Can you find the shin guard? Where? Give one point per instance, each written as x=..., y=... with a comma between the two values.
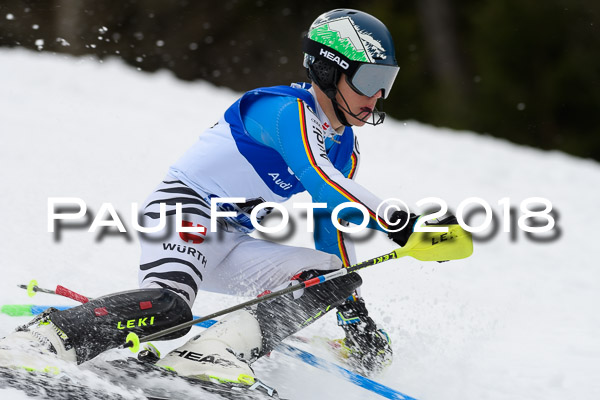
x=104, y=322
x=286, y=315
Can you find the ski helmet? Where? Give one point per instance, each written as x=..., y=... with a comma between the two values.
x=354, y=43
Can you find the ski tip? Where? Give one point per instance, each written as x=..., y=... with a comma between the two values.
x=17, y=310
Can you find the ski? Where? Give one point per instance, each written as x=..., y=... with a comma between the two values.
x=139, y=373
x=126, y=379
x=343, y=373
x=44, y=385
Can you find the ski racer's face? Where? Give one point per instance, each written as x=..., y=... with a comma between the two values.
x=361, y=106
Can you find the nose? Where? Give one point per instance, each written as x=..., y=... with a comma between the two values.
x=378, y=95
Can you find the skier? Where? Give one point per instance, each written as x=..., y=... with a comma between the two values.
x=270, y=144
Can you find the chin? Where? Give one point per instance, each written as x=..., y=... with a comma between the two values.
x=357, y=122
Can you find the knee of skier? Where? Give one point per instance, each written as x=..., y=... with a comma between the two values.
x=329, y=264
x=331, y=292
x=179, y=290
x=334, y=262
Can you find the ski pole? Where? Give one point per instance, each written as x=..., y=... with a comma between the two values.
x=425, y=246
x=32, y=288
x=133, y=340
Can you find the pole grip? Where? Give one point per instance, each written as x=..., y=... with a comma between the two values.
x=63, y=291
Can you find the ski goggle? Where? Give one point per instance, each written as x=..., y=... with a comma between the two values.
x=371, y=78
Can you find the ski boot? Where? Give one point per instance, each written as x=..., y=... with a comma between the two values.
x=365, y=347
x=222, y=353
x=37, y=346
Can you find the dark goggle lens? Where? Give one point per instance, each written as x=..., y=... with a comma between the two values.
x=371, y=78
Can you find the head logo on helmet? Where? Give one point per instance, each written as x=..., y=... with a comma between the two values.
x=331, y=56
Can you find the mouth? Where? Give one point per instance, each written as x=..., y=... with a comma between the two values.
x=367, y=110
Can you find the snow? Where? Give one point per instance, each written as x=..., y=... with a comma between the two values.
x=517, y=320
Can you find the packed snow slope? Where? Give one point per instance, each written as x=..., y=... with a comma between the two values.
x=517, y=320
